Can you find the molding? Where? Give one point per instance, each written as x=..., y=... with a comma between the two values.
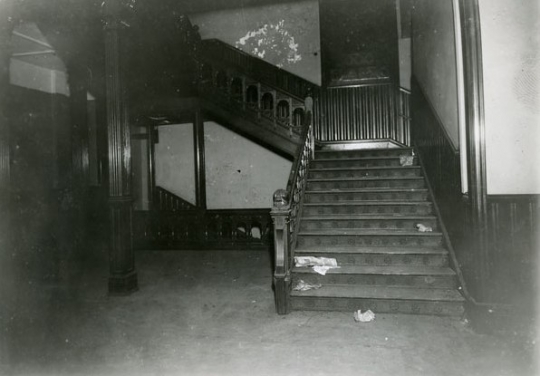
x=416, y=82
x=513, y=198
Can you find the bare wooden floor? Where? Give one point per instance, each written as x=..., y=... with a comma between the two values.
x=212, y=313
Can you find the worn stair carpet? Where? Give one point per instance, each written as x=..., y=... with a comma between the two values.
x=362, y=207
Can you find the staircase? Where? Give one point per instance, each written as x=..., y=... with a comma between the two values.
x=362, y=207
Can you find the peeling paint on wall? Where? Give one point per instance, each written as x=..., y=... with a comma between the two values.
x=272, y=42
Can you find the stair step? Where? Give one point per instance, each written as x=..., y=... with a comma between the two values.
x=362, y=153
x=390, y=222
x=411, y=194
x=371, y=275
x=358, y=162
x=368, y=207
x=365, y=182
x=369, y=238
x=357, y=172
x=378, y=256
x=380, y=299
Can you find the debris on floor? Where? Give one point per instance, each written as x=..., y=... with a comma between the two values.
x=301, y=261
x=423, y=228
x=367, y=316
x=406, y=160
x=304, y=286
x=320, y=264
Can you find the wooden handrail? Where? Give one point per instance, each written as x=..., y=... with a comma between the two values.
x=221, y=53
x=164, y=200
x=286, y=211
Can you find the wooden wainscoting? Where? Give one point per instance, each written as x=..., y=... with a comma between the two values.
x=513, y=245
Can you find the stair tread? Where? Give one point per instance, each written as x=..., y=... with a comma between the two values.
x=368, y=231
x=322, y=151
x=368, y=178
x=367, y=202
x=381, y=292
x=372, y=250
x=373, y=217
x=366, y=190
x=387, y=157
x=383, y=270
x=365, y=168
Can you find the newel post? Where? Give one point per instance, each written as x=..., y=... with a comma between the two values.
x=308, y=104
x=282, y=276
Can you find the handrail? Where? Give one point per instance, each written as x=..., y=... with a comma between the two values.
x=258, y=69
x=286, y=212
x=164, y=200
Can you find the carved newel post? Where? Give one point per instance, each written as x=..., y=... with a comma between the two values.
x=123, y=277
x=282, y=276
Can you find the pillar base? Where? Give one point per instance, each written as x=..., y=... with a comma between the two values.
x=123, y=284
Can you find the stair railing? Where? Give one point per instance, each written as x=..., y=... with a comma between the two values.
x=286, y=212
x=253, y=88
x=167, y=201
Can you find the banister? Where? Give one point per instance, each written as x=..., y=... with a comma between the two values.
x=286, y=209
x=268, y=74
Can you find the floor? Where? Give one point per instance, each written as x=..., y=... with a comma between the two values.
x=212, y=313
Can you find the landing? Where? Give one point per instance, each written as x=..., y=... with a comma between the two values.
x=212, y=313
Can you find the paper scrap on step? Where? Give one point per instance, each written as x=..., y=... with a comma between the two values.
x=423, y=228
x=320, y=264
x=367, y=316
x=304, y=286
x=406, y=160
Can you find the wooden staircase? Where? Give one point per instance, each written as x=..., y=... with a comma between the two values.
x=362, y=208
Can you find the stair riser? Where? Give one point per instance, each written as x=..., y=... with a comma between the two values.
x=344, y=163
x=390, y=224
x=367, y=209
x=362, y=153
x=369, y=240
x=312, y=197
x=365, y=183
x=395, y=280
x=378, y=306
x=362, y=259
x=400, y=172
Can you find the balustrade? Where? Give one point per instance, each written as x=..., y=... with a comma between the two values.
x=286, y=210
x=197, y=229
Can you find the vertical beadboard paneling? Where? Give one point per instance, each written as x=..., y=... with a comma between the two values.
x=513, y=242
x=512, y=223
x=359, y=113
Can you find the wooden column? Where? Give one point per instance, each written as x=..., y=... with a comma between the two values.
x=78, y=88
x=200, y=167
x=6, y=28
x=122, y=277
x=151, y=160
x=476, y=139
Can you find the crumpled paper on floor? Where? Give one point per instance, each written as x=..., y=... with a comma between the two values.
x=304, y=286
x=367, y=316
x=320, y=264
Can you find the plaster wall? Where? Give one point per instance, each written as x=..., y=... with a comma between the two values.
x=405, y=63
x=434, y=60
x=34, y=77
x=239, y=173
x=287, y=25
x=174, y=160
x=510, y=53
